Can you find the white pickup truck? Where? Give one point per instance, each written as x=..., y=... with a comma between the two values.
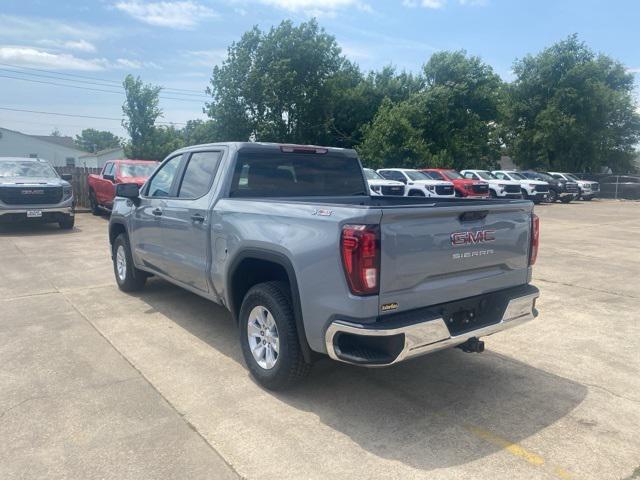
x=419, y=184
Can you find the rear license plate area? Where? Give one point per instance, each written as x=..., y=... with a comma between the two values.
x=471, y=314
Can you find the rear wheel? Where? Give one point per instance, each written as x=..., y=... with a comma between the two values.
x=269, y=338
x=128, y=277
x=93, y=201
x=67, y=222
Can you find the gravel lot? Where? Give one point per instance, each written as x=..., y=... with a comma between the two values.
x=95, y=383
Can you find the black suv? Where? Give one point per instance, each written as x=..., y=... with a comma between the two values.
x=558, y=189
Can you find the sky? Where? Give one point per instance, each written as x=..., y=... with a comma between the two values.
x=69, y=57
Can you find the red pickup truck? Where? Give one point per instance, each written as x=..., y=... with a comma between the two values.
x=465, y=187
x=102, y=187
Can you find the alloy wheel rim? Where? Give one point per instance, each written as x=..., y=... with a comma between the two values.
x=262, y=333
x=121, y=263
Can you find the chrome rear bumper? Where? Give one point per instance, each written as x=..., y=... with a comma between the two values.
x=431, y=335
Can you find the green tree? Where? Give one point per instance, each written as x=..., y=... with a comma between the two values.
x=356, y=99
x=394, y=137
x=141, y=109
x=571, y=109
x=92, y=140
x=196, y=132
x=451, y=121
x=274, y=86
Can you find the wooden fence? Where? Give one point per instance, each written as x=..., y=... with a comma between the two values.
x=79, y=176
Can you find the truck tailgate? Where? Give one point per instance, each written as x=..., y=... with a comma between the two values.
x=437, y=254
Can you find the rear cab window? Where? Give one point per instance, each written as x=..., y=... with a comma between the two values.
x=280, y=174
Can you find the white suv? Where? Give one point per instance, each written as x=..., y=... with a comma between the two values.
x=534, y=190
x=497, y=188
x=378, y=185
x=419, y=184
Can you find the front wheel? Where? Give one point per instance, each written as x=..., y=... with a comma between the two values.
x=128, y=277
x=93, y=202
x=566, y=199
x=67, y=222
x=587, y=199
x=552, y=197
x=269, y=338
x=493, y=193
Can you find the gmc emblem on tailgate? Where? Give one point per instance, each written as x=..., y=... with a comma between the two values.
x=472, y=238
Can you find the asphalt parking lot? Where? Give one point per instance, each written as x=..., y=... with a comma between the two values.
x=95, y=383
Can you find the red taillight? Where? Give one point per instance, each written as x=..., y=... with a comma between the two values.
x=535, y=238
x=360, y=246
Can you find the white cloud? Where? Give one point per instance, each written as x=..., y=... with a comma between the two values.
x=184, y=14
x=76, y=45
x=317, y=7
x=29, y=56
x=127, y=63
x=79, y=45
x=30, y=28
x=424, y=3
x=356, y=52
x=633, y=70
x=436, y=4
x=206, y=58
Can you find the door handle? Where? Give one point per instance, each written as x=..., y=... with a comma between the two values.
x=157, y=211
x=197, y=218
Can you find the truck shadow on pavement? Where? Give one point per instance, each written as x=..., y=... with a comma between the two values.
x=444, y=409
x=34, y=229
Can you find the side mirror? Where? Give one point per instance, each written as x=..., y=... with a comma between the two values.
x=109, y=177
x=66, y=176
x=128, y=190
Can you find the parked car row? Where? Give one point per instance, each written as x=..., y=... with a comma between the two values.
x=441, y=182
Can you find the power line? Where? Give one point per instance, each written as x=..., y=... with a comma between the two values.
x=90, y=89
x=78, y=116
x=93, y=78
x=85, y=82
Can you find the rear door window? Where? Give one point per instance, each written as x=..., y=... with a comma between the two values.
x=296, y=175
x=199, y=173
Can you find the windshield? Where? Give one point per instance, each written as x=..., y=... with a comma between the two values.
x=435, y=175
x=544, y=177
x=415, y=175
x=453, y=174
x=19, y=168
x=137, y=169
x=372, y=174
x=571, y=176
x=517, y=176
x=486, y=175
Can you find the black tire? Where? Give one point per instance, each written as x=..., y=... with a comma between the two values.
x=416, y=193
x=132, y=279
x=493, y=193
x=552, y=197
x=587, y=199
x=566, y=199
x=95, y=208
x=67, y=222
x=290, y=366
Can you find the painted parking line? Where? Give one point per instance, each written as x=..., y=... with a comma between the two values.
x=518, y=451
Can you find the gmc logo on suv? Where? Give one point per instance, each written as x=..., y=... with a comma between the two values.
x=472, y=238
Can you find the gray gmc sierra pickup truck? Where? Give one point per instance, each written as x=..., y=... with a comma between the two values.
x=31, y=190
x=288, y=239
